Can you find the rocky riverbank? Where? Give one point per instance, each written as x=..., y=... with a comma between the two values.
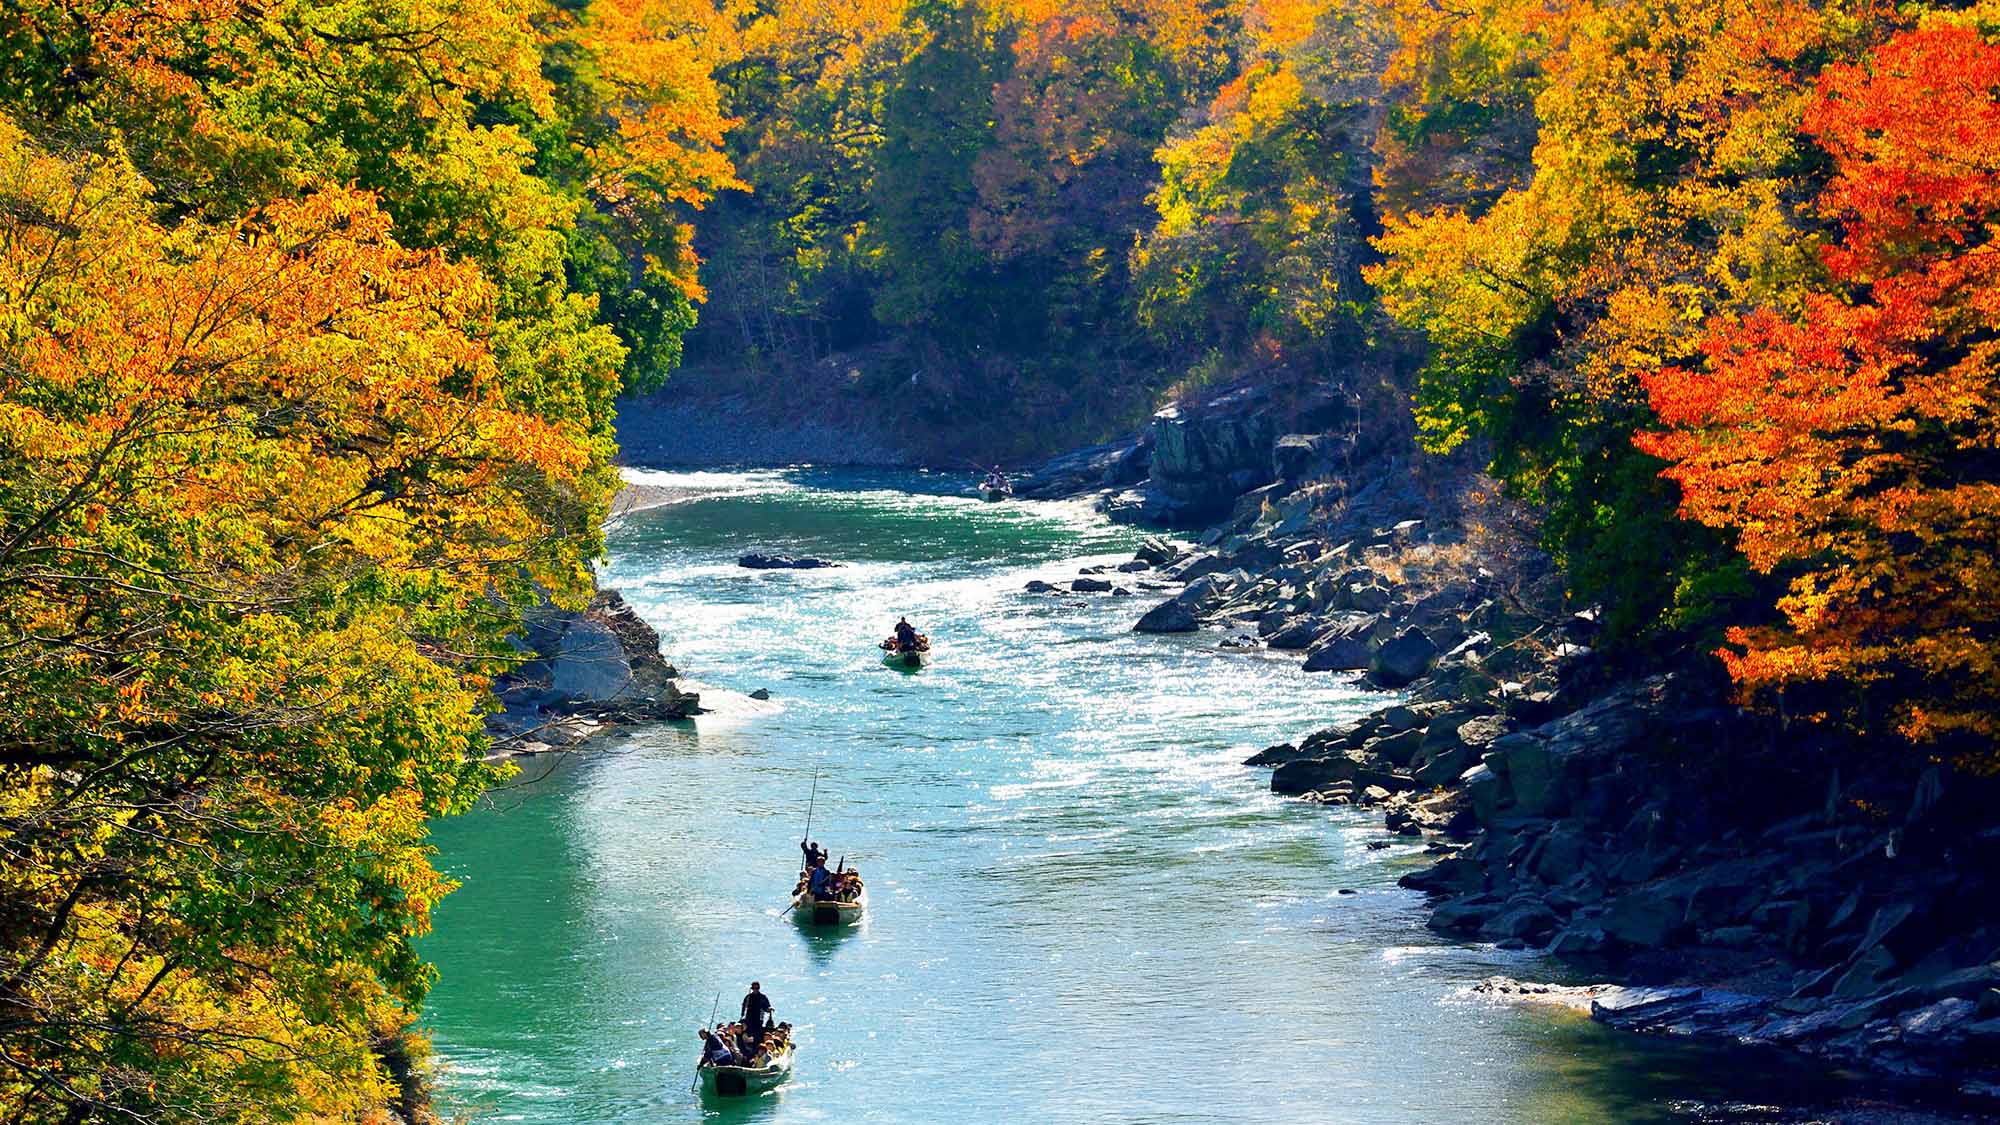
x=584, y=672
x=1724, y=877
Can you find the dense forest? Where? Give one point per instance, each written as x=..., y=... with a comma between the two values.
x=313, y=319
x=1711, y=284
x=315, y=316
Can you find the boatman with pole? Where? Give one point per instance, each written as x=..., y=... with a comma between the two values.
x=756, y=1012
x=714, y=1052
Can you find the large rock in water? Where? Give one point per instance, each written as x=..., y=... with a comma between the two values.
x=603, y=662
x=1168, y=617
x=1303, y=775
x=1100, y=466
x=1402, y=659
x=783, y=562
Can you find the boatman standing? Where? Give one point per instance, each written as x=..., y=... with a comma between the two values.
x=815, y=855
x=756, y=1012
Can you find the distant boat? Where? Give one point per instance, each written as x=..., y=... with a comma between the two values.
x=736, y=1081
x=996, y=492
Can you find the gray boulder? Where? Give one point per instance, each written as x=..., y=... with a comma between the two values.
x=1445, y=767
x=1273, y=755
x=1368, y=599
x=1643, y=920
x=1402, y=659
x=1339, y=654
x=1303, y=775
x=1297, y=633
x=1168, y=617
x=1396, y=749
x=755, y=561
x=1090, y=586
x=591, y=664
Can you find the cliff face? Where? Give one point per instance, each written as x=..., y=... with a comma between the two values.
x=1203, y=461
x=1194, y=462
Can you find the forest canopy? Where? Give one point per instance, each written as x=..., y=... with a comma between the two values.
x=1702, y=282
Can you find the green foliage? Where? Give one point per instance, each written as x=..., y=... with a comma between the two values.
x=937, y=120
x=306, y=384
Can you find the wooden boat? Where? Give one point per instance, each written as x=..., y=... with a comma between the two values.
x=737, y=1081
x=808, y=911
x=990, y=494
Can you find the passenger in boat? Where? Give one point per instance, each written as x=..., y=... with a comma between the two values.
x=715, y=1052
x=756, y=1012
x=820, y=881
x=907, y=639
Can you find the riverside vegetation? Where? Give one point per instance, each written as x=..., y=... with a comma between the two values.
x=312, y=316
x=315, y=316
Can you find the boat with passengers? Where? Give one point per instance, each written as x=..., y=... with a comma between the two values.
x=765, y=1070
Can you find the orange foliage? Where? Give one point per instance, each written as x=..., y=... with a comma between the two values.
x=1852, y=447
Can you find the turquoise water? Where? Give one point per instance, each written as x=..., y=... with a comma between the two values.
x=1082, y=907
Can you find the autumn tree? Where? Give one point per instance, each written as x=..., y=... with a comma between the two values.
x=789, y=273
x=1847, y=441
x=306, y=388
x=263, y=505
x=1668, y=182
x=1264, y=212
x=938, y=119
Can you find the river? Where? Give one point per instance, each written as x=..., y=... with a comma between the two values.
x=1082, y=907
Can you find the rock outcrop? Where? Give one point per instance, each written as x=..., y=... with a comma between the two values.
x=582, y=672
x=1204, y=458
x=755, y=561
